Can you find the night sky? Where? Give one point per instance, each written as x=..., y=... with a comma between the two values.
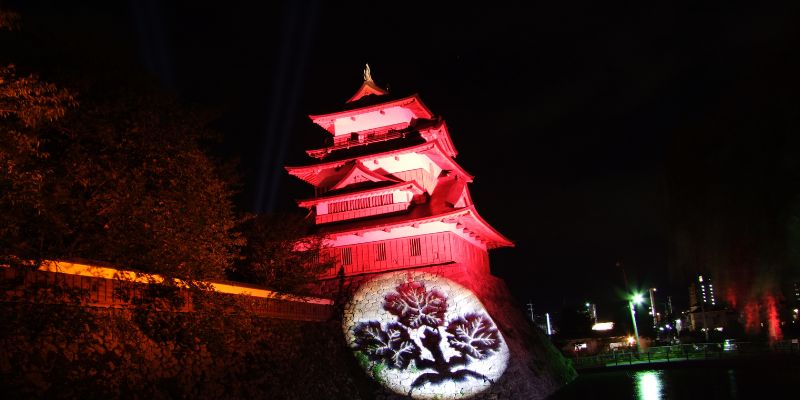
x=565, y=113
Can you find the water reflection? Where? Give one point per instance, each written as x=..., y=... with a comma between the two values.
x=757, y=380
x=732, y=383
x=648, y=385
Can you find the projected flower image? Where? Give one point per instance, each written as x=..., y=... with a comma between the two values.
x=430, y=337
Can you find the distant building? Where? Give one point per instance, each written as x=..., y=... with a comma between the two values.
x=704, y=313
x=796, y=298
x=668, y=306
x=591, y=312
x=653, y=312
x=545, y=323
x=597, y=345
x=701, y=292
x=711, y=318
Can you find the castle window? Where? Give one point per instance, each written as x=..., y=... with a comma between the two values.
x=357, y=204
x=347, y=256
x=416, y=247
x=380, y=252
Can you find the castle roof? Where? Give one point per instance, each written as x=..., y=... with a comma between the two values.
x=419, y=131
x=412, y=104
x=442, y=206
x=318, y=173
x=368, y=88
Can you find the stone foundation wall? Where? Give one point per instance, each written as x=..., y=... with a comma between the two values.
x=535, y=367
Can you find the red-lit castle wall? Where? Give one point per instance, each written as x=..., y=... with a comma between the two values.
x=409, y=252
x=443, y=253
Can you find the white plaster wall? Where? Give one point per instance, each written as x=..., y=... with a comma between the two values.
x=372, y=120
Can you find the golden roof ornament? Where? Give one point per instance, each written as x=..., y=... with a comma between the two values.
x=367, y=74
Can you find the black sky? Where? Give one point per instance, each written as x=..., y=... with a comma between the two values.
x=564, y=112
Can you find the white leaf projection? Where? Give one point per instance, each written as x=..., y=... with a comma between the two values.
x=425, y=336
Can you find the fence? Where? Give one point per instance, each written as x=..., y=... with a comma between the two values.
x=687, y=352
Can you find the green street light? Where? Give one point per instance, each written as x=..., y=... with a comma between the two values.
x=632, y=302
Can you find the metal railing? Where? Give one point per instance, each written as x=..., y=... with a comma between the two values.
x=347, y=141
x=687, y=352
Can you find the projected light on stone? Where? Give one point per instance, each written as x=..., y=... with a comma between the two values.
x=425, y=336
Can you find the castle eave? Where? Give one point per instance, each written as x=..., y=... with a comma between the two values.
x=412, y=103
x=316, y=173
x=465, y=221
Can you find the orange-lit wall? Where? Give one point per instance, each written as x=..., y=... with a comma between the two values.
x=98, y=287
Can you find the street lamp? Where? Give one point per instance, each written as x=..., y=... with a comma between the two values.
x=632, y=302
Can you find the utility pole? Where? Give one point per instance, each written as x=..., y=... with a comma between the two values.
x=549, y=328
x=653, y=306
x=669, y=306
x=530, y=309
x=632, y=302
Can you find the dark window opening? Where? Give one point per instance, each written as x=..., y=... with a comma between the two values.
x=416, y=247
x=347, y=256
x=380, y=252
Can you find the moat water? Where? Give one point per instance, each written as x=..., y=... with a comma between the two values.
x=762, y=381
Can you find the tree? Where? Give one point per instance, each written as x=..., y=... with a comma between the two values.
x=27, y=100
x=124, y=178
x=150, y=197
x=281, y=253
x=27, y=105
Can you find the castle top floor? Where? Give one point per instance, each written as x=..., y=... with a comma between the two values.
x=389, y=163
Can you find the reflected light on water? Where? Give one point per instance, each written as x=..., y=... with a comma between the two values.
x=648, y=385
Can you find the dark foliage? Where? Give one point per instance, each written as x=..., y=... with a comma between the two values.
x=281, y=252
x=118, y=173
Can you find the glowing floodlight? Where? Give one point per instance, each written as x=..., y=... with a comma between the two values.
x=424, y=336
x=635, y=299
x=603, y=326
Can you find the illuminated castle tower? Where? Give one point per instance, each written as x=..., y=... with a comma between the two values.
x=388, y=192
x=423, y=313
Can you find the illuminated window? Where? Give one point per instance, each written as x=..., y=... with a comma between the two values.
x=347, y=256
x=380, y=252
x=357, y=204
x=416, y=247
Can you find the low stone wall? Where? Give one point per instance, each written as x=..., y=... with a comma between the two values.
x=99, y=291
